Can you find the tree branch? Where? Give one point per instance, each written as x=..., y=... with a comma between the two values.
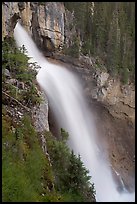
x=26, y=108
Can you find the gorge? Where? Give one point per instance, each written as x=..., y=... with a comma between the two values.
x=81, y=83
x=64, y=94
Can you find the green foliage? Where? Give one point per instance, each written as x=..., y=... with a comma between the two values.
x=27, y=175
x=26, y=171
x=16, y=61
x=79, y=9
x=64, y=135
x=25, y=166
x=12, y=58
x=125, y=75
x=71, y=177
x=21, y=70
x=42, y=3
x=109, y=33
x=73, y=50
x=16, y=186
x=87, y=47
x=79, y=180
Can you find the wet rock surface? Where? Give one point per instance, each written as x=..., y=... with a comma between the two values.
x=114, y=120
x=43, y=21
x=118, y=136
x=99, y=85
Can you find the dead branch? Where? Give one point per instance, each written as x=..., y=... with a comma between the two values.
x=26, y=108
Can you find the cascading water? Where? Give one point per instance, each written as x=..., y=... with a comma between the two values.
x=67, y=101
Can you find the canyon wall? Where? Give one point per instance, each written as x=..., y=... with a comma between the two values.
x=114, y=103
x=44, y=21
x=113, y=107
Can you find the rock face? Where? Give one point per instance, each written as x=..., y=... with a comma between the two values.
x=100, y=87
x=40, y=115
x=48, y=25
x=114, y=104
x=43, y=20
x=119, y=99
x=11, y=12
x=113, y=107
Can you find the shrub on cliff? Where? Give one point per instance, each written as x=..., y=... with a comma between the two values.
x=71, y=176
x=27, y=174
x=16, y=62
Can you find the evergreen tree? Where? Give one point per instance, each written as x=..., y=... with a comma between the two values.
x=71, y=177
x=107, y=30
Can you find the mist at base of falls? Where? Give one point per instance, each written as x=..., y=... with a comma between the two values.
x=67, y=101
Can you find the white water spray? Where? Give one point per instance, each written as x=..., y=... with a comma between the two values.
x=67, y=101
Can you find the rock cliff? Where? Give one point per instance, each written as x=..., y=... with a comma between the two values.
x=100, y=87
x=115, y=103
x=113, y=107
x=43, y=20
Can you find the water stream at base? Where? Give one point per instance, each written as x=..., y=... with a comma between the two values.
x=66, y=97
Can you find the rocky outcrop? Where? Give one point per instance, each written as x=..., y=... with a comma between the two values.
x=43, y=20
x=99, y=86
x=48, y=25
x=40, y=114
x=114, y=103
x=118, y=98
x=113, y=107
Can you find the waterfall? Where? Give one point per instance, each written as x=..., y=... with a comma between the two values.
x=65, y=93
